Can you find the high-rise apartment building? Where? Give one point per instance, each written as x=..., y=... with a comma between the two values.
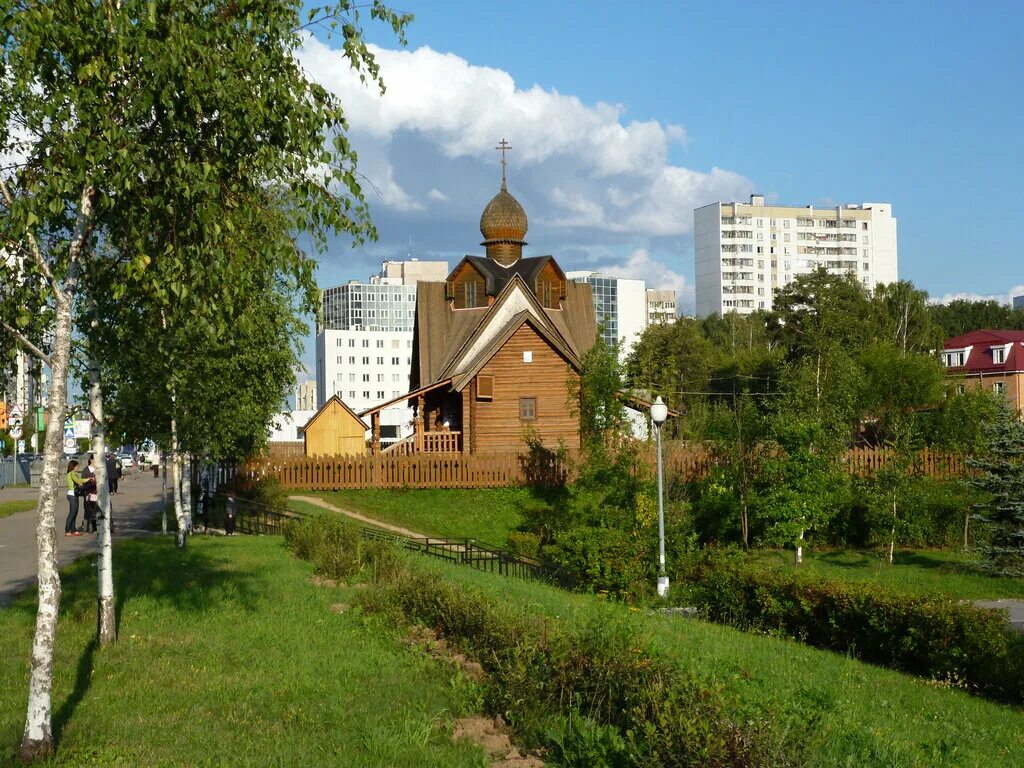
x=620, y=305
x=1018, y=302
x=364, y=341
x=746, y=251
x=661, y=306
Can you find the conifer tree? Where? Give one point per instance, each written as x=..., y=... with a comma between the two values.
x=1001, y=477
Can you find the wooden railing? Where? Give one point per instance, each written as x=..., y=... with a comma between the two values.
x=440, y=442
x=460, y=470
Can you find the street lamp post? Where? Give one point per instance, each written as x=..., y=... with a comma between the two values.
x=659, y=412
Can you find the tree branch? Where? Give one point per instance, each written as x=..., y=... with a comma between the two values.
x=26, y=343
x=37, y=254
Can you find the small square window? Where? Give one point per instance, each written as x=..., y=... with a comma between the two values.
x=998, y=387
x=484, y=387
x=528, y=408
x=527, y=357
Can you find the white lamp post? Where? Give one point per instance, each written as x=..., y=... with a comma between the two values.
x=659, y=412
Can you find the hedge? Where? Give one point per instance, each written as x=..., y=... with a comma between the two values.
x=596, y=694
x=930, y=636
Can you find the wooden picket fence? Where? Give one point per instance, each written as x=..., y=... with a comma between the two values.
x=505, y=469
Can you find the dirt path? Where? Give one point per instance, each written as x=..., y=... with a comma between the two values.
x=356, y=516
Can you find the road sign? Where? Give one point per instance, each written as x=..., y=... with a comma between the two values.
x=3, y=415
x=70, y=445
x=16, y=431
x=15, y=418
x=21, y=446
x=69, y=432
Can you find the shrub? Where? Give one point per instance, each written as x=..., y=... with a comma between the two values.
x=923, y=635
x=332, y=544
x=597, y=693
x=603, y=559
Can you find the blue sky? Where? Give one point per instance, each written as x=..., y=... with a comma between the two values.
x=620, y=114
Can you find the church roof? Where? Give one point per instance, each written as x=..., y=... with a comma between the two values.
x=496, y=275
x=442, y=337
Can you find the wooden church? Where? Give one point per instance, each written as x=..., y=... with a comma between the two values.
x=496, y=347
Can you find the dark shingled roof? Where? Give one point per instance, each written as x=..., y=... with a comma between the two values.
x=441, y=332
x=496, y=276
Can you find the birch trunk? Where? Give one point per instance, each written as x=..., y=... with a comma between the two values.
x=799, y=554
x=175, y=457
x=163, y=492
x=37, y=739
x=892, y=534
x=105, y=619
x=186, y=490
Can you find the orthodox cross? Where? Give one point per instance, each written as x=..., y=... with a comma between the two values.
x=503, y=147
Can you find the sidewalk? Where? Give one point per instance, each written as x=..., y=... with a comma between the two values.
x=137, y=502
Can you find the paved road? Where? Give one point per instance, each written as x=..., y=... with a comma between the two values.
x=137, y=501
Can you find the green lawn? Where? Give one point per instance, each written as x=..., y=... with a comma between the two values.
x=916, y=571
x=228, y=655
x=13, y=507
x=486, y=514
x=862, y=715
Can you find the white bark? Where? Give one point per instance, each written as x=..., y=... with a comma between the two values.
x=799, y=556
x=105, y=620
x=163, y=492
x=175, y=457
x=186, y=487
x=892, y=534
x=37, y=739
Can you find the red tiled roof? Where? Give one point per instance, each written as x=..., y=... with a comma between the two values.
x=981, y=344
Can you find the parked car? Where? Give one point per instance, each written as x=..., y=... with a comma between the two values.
x=127, y=460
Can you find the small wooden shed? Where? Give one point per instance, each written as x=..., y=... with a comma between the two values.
x=335, y=430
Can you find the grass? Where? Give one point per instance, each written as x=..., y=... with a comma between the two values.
x=13, y=507
x=914, y=571
x=486, y=514
x=863, y=715
x=227, y=655
x=490, y=514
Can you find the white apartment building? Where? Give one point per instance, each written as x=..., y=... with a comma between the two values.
x=620, y=304
x=661, y=306
x=744, y=252
x=1018, y=302
x=364, y=341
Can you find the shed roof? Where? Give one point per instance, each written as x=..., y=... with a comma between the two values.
x=325, y=406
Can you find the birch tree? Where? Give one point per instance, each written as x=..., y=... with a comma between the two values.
x=157, y=129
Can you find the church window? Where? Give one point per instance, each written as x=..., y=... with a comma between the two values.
x=484, y=387
x=528, y=408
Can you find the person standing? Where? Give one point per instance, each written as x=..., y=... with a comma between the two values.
x=75, y=484
x=112, y=473
x=91, y=496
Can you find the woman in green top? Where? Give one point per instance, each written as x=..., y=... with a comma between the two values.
x=74, y=479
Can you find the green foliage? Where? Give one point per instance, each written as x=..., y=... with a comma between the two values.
x=334, y=545
x=543, y=676
x=936, y=638
x=267, y=491
x=805, y=481
x=603, y=559
x=963, y=315
x=595, y=397
x=1001, y=479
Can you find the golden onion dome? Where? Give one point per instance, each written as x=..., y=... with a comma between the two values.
x=503, y=219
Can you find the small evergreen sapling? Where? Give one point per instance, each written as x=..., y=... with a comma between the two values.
x=1001, y=477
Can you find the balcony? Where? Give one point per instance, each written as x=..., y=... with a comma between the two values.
x=440, y=442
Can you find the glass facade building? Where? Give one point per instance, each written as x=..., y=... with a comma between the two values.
x=368, y=307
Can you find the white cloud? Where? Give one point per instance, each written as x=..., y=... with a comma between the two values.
x=575, y=166
x=1002, y=298
x=640, y=265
